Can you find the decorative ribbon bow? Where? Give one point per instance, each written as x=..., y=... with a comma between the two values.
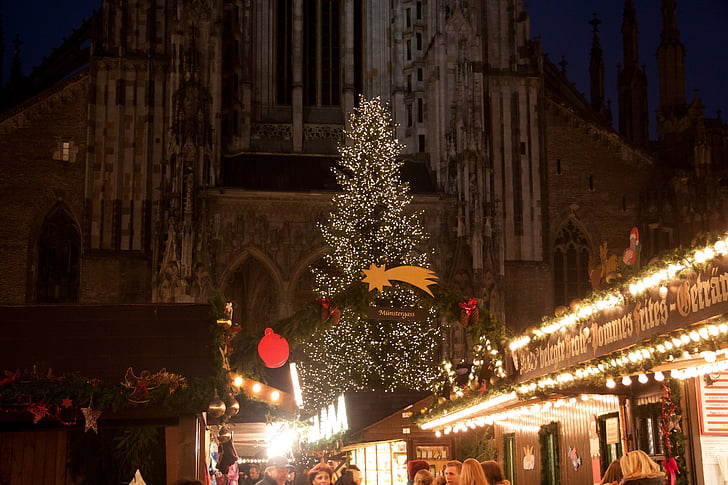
x=468, y=312
x=672, y=469
x=329, y=311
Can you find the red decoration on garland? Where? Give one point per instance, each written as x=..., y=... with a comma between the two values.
x=39, y=411
x=273, y=349
x=146, y=381
x=469, y=313
x=483, y=388
x=669, y=422
x=672, y=470
x=329, y=311
x=10, y=376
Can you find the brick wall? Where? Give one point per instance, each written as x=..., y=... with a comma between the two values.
x=593, y=177
x=32, y=182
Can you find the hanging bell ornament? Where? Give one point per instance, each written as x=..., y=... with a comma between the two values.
x=233, y=409
x=225, y=434
x=216, y=408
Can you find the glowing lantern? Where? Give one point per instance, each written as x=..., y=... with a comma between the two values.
x=273, y=349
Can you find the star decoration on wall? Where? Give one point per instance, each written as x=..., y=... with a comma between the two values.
x=91, y=415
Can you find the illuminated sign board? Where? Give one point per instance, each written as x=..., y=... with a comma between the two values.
x=688, y=300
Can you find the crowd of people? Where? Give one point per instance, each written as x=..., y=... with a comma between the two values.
x=634, y=468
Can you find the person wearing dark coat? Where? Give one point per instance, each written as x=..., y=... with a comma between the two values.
x=639, y=469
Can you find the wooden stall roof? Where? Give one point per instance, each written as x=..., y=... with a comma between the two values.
x=390, y=427
x=366, y=408
x=102, y=341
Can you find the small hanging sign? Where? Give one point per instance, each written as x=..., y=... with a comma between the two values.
x=396, y=314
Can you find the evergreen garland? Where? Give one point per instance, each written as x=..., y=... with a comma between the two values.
x=50, y=397
x=675, y=439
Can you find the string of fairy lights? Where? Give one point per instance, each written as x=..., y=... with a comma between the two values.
x=658, y=278
x=584, y=404
x=689, y=352
x=368, y=224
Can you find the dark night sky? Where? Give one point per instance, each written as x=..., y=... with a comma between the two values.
x=562, y=24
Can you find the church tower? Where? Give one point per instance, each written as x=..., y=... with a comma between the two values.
x=676, y=121
x=671, y=63
x=632, y=83
x=596, y=74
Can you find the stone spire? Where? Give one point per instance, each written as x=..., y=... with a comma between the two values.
x=632, y=83
x=596, y=72
x=671, y=63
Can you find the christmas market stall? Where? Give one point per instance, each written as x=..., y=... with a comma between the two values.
x=101, y=393
x=373, y=430
x=641, y=365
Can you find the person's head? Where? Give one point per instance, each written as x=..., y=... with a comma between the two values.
x=452, y=472
x=356, y=474
x=254, y=472
x=493, y=472
x=472, y=473
x=278, y=469
x=637, y=464
x=440, y=480
x=613, y=473
x=424, y=477
x=413, y=466
x=320, y=475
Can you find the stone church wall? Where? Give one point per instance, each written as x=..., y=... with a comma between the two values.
x=34, y=179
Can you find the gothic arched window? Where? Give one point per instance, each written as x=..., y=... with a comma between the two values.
x=571, y=264
x=252, y=287
x=59, y=254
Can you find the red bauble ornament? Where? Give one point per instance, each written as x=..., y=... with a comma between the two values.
x=273, y=349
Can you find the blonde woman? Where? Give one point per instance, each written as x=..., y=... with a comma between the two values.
x=472, y=473
x=639, y=469
x=423, y=477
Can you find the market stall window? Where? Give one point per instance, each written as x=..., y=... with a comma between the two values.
x=382, y=463
x=438, y=452
x=649, y=436
x=610, y=444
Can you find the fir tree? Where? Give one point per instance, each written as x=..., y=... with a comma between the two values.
x=370, y=223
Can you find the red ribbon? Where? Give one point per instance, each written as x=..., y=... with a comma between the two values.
x=468, y=306
x=671, y=468
x=330, y=310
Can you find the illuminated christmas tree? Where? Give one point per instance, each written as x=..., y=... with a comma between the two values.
x=370, y=224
